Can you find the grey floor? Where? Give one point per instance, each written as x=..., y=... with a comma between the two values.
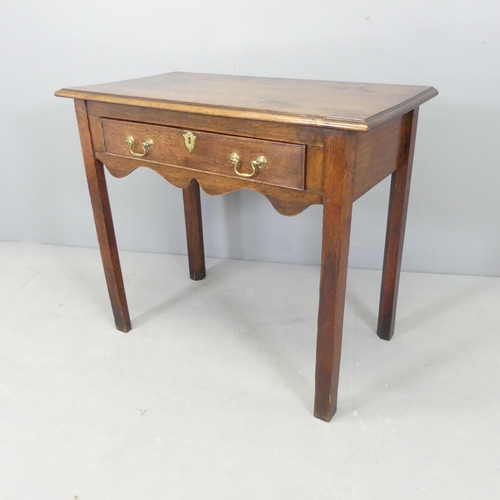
x=210, y=395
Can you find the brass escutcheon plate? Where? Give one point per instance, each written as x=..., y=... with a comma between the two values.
x=189, y=141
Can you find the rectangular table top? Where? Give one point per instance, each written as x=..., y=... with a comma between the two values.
x=340, y=105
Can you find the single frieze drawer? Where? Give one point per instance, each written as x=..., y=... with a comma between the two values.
x=269, y=162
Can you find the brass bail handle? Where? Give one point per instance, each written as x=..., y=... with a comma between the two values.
x=147, y=146
x=256, y=164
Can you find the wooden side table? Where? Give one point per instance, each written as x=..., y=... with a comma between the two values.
x=297, y=142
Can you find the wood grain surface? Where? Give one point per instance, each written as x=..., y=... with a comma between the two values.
x=396, y=224
x=286, y=201
x=103, y=222
x=337, y=211
x=194, y=230
x=285, y=162
x=325, y=143
x=342, y=105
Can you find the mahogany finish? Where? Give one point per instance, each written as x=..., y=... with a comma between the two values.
x=325, y=143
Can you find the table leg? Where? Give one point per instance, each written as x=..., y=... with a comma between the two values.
x=396, y=221
x=103, y=222
x=337, y=209
x=194, y=230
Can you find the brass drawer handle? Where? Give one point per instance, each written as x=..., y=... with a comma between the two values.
x=259, y=163
x=147, y=146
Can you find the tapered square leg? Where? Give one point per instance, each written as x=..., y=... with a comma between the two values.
x=337, y=209
x=103, y=222
x=396, y=222
x=194, y=230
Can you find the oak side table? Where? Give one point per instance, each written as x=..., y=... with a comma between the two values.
x=298, y=142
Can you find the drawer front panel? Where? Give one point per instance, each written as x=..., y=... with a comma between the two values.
x=211, y=153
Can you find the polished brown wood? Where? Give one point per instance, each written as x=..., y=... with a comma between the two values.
x=257, y=129
x=103, y=222
x=285, y=201
x=339, y=105
x=396, y=223
x=377, y=155
x=337, y=210
x=194, y=230
x=326, y=143
x=315, y=169
x=285, y=162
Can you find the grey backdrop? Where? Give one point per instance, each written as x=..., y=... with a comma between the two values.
x=453, y=221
